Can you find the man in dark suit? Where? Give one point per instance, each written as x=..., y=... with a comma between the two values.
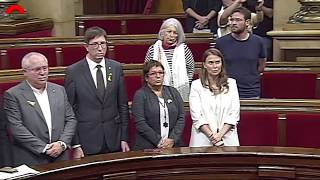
x=96, y=90
x=5, y=151
x=40, y=117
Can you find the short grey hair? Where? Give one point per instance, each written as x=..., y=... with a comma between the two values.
x=172, y=22
x=25, y=63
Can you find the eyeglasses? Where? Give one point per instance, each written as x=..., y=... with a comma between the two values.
x=236, y=19
x=96, y=45
x=38, y=69
x=153, y=74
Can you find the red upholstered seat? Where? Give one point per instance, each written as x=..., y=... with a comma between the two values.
x=187, y=128
x=15, y=56
x=56, y=80
x=258, y=128
x=302, y=130
x=73, y=54
x=7, y=85
x=110, y=26
x=198, y=49
x=288, y=85
x=133, y=83
x=130, y=53
x=132, y=131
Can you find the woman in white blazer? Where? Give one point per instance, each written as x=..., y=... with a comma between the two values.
x=214, y=104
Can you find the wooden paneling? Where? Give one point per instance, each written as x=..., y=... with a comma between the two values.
x=293, y=45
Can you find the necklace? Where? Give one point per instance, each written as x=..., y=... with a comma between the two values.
x=165, y=124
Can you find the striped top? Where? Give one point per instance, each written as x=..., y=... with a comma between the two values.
x=169, y=55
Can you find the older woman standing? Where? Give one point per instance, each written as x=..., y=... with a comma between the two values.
x=214, y=104
x=175, y=56
x=158, y=111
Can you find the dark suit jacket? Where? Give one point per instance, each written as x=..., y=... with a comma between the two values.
x=28, y=126
x=146, y=111
x=5, y=146
x=101, y=122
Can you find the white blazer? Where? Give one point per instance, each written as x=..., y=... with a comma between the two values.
x=214, y=110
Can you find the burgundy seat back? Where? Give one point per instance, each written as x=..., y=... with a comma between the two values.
x=288, y=85
x=198, y=49
x=73, y=54
x=187, y=128
x=132, y=131
x=302, y=130
x=133, y=83
x=130, y=53
x=7, y=85
x=57, y=80
x=143, y=26
x=258, y=128
x=110, y=26
x=15, y=56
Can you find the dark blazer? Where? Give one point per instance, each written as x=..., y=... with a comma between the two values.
x=146, y=112
x=101, y=122
x=5, y=146
x=29, y=128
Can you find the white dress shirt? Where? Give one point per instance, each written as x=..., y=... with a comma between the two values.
x=93, y=70
x=43, y=100
x=44, y=104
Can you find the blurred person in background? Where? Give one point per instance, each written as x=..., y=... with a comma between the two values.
x=174, y=55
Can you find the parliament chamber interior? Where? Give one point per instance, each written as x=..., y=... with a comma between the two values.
x=278, y=132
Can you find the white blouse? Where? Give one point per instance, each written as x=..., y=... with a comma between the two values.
x=164, y=119
x=214, y=110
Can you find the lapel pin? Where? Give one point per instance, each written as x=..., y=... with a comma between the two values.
x=109, y=77
x=32, y=103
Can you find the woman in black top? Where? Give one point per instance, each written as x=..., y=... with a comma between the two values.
x=201, y=14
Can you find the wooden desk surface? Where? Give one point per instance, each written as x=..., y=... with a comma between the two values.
x=25, y=26
x=195, y=163
x=127, y=16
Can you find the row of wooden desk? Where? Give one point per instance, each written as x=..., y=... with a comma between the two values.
x=280, y=80
x=68, y=50
x=263, y=122
x=227, y=163
x=125, y=23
